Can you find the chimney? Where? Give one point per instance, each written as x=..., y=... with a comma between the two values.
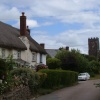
x=42, y=45
x=67, y=48
x=22, y=25
x=28, y=30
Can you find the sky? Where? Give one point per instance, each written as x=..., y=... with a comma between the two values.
x=56, y=23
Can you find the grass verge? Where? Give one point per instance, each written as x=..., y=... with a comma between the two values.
x=95, y=77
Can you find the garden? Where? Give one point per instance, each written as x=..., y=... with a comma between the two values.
x=61, y=71
x=40, y=81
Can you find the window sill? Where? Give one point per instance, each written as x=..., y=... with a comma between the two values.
x=33, y=61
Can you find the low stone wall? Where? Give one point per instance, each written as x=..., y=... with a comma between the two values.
x=22, y=93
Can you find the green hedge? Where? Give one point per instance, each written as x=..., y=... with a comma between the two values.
x=56, y=78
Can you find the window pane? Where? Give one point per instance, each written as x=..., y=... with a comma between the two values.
x=19, y=54
x=3, y=53
x=33, y=56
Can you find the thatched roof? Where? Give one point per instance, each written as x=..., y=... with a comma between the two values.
x=9, y=38
x=34, y=46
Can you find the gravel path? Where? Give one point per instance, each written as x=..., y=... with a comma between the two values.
x=85, y=90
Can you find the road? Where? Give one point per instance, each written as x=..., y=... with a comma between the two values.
x=85, y=90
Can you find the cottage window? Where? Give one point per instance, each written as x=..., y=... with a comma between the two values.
x=3, y=53
x=19, y=54
x=40, y=58
x=33, y=56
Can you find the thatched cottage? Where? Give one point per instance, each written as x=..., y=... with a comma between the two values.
x=18, y=43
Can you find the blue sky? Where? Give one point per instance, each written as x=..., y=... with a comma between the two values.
x=57, y=23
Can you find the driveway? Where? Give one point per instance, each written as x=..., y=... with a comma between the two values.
x=85, y=90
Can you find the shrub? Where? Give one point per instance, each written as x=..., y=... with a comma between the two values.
x=26, y=76
x=56, y=78
x=6, y=85
x=41, y=66
x=53, y=63
x=42, y=77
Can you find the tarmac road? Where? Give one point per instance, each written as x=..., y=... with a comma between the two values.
x=85, y=90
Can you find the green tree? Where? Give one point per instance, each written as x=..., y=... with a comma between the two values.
x=94, y=67
x=48, y=56
x=53, y=63
x=72, y=60
x=90, y=57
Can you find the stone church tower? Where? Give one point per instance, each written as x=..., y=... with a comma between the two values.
x=93, y=46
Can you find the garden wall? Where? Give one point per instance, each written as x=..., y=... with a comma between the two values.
x=22, y=93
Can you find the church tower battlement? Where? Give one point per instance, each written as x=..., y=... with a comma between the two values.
x=93, y=46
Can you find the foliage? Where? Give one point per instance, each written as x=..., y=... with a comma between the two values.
x=26, y=76
x=10, y=62
x=90, y=57
x=42, y=77
x=5, y=66
x=94, y=67
x=53, y=63
x=72, y=60
x=48, y=56
x=6, y=85
x=3, y=69
x=41, y=66
x=56, y=78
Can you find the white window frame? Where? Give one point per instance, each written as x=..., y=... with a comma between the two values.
x=33, y=56
x=19, y=54
x=3, y=53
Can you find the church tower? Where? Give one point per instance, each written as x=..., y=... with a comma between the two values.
x=93, y=46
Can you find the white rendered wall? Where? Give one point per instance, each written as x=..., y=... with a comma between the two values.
x=27, y=54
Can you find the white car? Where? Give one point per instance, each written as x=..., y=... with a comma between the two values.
x=84, y=76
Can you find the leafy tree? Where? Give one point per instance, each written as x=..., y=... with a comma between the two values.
x=53, y=63
x=94, y=67
x=72, y=60
x=48, y=56
x=90, y=57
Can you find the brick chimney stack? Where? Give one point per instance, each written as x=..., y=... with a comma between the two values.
x=23, y=25
x=67, y=48
x=42, y=45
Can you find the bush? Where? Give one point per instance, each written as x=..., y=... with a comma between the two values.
x=41, y=66
x=3, y=69
x=42, y=77
x=56, y=78
x=26, y=76
x=53, y=63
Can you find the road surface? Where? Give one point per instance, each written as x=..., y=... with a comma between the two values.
x=85, y=90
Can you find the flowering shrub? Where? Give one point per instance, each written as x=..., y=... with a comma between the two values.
x=6, y=84
x=2, y=88
x=41, y=66
x=25, y=77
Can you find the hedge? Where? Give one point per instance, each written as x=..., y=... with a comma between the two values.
x=56, y=78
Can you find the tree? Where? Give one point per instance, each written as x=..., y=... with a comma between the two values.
x=53, y=63
x=72, y=60
x=94, y=67
x=89, y=57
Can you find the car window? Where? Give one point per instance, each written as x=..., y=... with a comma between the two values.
x=81, y=74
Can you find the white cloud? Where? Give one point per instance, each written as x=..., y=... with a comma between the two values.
x=74, y=39
x=47, y=23
x=86, y=12
x=32, y=23
x=9, y=14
